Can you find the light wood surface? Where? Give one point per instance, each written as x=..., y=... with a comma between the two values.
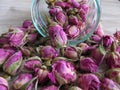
x=14, y=12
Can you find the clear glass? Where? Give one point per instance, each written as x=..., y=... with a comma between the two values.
x=39, y=10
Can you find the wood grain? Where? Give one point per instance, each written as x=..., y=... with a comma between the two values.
x=13, y=12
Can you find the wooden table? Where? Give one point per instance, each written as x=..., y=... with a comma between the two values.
x=14, y=12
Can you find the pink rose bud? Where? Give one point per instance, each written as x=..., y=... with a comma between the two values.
x=69, y=52
x=108, y=84
x=113, y=57
x=23, y=82
x=32, y=37
x=54, y=10
x=99, y=31
x=61, y=18
x=72, y=32
x=57, y=35
x=27, y=23
x=64, y=5
x=48, y=52
x=52, y=87
x=3, y=84
x=42, y=74
x=4, y=55
x=88, y=65
x=114, y=74
x=98, y=54
x=89, y=82
x=75, y=3
x=12, y=65
x=74, y=88
x=63, y=72
x=27, y=51
x=107, y=40
x=73, y=20
x=96, y=38
x=32, y=63
x=117, y=35
x=17, y=38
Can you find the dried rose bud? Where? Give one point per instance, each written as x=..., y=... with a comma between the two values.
x=32, y=37
x=98, y=54
x=113, y=57
x=17, y=37
x=27, y=23
x=95, y=38
x=57, y=35
x=52, y=87
x=69, y=52
x=107, y=40
x=42, y=74
x=27, y=51
x=48, y=52
x=84, y=47
x=74, y=88
x=63, y=72
x=108, y=84
x=72, y=32
x=114, y=74
x=73, y=20
x=12, y=65
x=99, y=31
x=32, y=63
x=117, y=35
x=4, y=55
x=88, y=64
x=3, y=84
x=64, y=5
x=54, y=10
x=89, y=82
x=61, y=18
x=75, y=3
x=23, y=82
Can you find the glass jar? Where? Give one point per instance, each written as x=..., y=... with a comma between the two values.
x=39, y=10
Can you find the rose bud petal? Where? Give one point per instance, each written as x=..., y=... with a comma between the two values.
x=99, y=31
x=89, y=82
x=48, y=52
x=114, y=74
x=27, y=51
x=108, y=84
x=72, y=32
x=23, y=82
x=52, y=87
x=69, y=52
x=12, y=65
x=54, y=10
x=75, y=3
x=3, y=84
x=4, y=54
x=17, y=38
x=32, y=63
x=98, y=53
x=107, y=40
x=87, y=64
x=63, y=72
x=61, y=18
x=57, y=35
x=73, y=20
x=75, y=88
x=42, y=74
x=27, y=23
x=113, y=57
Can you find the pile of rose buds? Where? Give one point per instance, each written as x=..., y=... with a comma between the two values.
x=67, y=20
x=30, y=62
